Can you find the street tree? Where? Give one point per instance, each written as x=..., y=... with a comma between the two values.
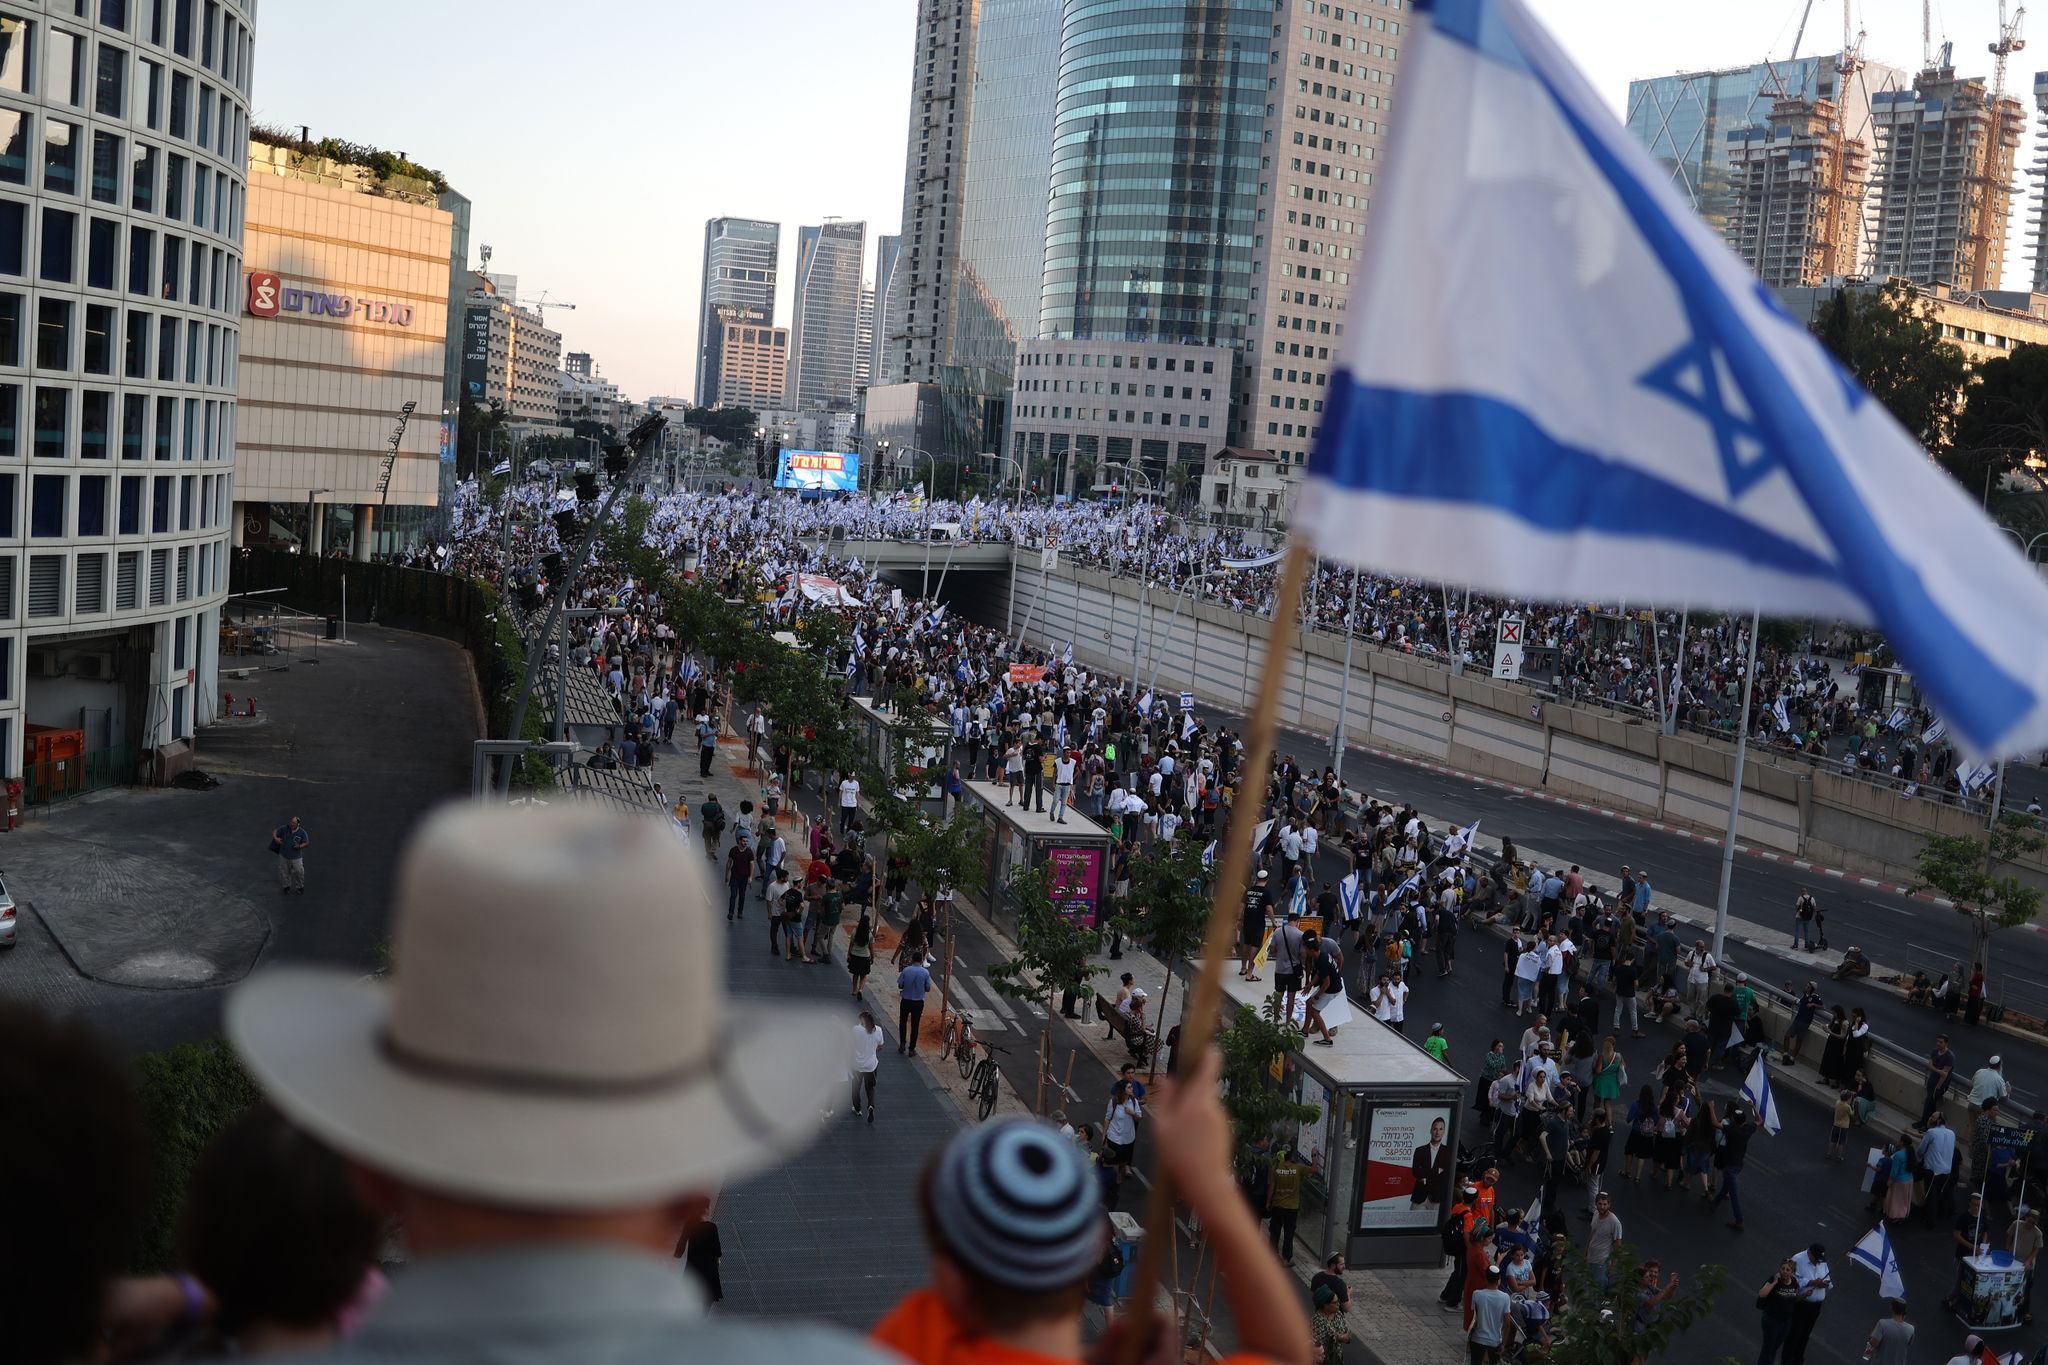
x=1256, y=1040
x=730, y=425
x=1051, y=961
x=1603, y=1327
x=1890, y=341
x=1964, y=869
x=2006, y=420
x=1169, y=909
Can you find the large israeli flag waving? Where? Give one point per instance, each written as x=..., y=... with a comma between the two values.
x=1559, y=383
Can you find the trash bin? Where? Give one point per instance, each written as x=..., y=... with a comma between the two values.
x=334, y=627
x=1129, y=1235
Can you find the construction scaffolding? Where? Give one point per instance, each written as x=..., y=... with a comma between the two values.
x=1944, y=180
x=1798, y=183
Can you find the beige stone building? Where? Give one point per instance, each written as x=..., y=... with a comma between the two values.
x=753, y=361
x=345, y=321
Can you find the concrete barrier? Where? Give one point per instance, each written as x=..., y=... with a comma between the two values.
x=1504, y=731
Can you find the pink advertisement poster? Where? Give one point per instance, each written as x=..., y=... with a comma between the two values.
x=1076, y=879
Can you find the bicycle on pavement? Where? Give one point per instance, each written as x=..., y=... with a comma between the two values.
x=983, y=1084
x=957, y=1040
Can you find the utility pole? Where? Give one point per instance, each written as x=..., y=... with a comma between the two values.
x=1735, y=790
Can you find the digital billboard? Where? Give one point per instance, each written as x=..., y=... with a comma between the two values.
x=818, y=471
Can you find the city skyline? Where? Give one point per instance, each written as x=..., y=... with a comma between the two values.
x=838, y=154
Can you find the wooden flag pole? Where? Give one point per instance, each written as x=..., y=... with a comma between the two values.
x=1198, y=1018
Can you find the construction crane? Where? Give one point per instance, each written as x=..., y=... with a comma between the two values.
x=1997, y=186
x=391, y=452
x=541, y=305
x=1851, y=60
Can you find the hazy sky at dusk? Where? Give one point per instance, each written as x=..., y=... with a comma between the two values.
x=595, y=149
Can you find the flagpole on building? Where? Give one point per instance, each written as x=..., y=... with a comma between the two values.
x=1344, y=692
x=1198, y=1018
x=1735, y=789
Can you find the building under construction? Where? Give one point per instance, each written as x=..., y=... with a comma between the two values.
x=1797, y=183
x=1944, y=179
x=2039, y=171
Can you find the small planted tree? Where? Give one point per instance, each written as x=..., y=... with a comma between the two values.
x=1051, y=960
x=1606, y=1328
x=1254, y=1042
x=1168, y=909
x=1964, y=869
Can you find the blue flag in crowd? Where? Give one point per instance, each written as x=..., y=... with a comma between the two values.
x=1564, y=381
x=1756, y=1088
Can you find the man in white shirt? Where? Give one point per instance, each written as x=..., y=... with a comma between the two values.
x=1062, y=786
x=849, y=801
x=1989, y=1084
x=1390, y=1003
x=1290, y=848
x=1810, y=1269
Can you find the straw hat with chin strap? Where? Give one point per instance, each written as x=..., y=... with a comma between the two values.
x=556, y=1034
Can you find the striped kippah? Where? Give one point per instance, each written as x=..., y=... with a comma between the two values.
x=1017, y=1204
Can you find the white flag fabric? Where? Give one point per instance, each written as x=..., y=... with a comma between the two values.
x=1756, y=1088
x=1559, y=379
x=1874, y=1253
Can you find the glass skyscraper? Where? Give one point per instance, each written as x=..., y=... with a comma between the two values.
x=1152, y=209
x=824, y=337
x=1009, y=156
x=739, y=272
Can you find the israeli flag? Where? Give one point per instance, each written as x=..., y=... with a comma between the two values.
x=1564, y=380
x=1756, y=1088
x=1350, y=897
x=1209, y=856
x=1874, y=1253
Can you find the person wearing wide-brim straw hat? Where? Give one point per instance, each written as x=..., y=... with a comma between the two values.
x=544, y=1126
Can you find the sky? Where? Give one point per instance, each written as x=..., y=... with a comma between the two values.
x=594, y=150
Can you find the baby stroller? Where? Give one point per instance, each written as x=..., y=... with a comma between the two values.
x=1528, y=1326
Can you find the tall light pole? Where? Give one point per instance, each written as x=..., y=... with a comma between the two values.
x=1735, y=790
x=1344, y=694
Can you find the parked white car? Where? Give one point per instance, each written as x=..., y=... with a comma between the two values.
x=7, y=916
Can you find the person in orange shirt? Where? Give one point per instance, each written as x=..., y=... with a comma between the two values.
x=1014, y=1222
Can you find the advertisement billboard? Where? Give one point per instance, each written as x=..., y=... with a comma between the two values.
x=1076, y=882
x=818, y=471
x=1397, y=1148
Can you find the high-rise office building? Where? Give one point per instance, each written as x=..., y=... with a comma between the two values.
x=1153, y=193
x=864, y=363
x=1944, y=180
x=983, y=82
x=739, y=271
x=825, y=329
x=1685, y=119
x=1328, y=124
x=1152, y=225
x=1797, y=180
x=1208, y=209
x=512, y=358
x=888, y=295
x=125, y=131
x=753, y=359
x=2039, y=171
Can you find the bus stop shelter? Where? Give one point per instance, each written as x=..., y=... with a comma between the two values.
x=1076, y=852
x=1379, y=1096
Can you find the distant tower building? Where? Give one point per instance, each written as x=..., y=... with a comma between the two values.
x=1944, y=180
x=739, y=271
x=2039, y=171
x=864, y=365
x=825, y=331
x=888, y=295
x=1798, y=181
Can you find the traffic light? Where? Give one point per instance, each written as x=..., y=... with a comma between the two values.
x=567, y=527
x=617, y=460
x=586, y=485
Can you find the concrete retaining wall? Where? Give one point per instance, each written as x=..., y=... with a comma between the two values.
x=1501, y=731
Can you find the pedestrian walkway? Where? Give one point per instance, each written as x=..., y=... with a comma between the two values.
x=833, y=1232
